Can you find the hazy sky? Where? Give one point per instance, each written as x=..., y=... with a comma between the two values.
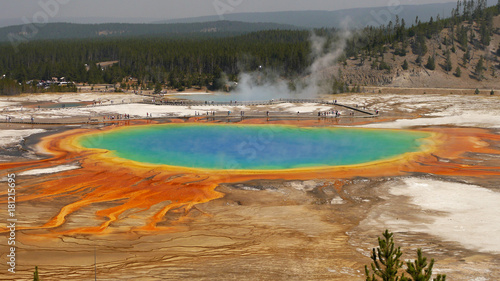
x=170, y=9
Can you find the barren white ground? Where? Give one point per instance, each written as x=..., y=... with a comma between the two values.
x=458, y=212
x=110, y=104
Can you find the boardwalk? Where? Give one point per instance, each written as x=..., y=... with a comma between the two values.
x=253, y=103
x=217, y=114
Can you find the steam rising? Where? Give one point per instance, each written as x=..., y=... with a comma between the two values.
x=264, y=85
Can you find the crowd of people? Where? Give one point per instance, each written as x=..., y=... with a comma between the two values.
x=106, y=118
x=117, y=117
x=8, y=119
x=335, y=113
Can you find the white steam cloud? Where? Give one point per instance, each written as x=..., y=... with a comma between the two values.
x=262, y=85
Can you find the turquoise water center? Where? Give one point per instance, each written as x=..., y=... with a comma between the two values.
x=253, y=147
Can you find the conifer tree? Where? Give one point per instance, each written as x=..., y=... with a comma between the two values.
x=480, y=69
x=419, y=270
x=419, y=60
x=458, y=72
x=462, y=36
x=448, y=65
x=466, y=57
x=405, y=65
x=35, y=274
x=158, y=88
x=386, y=263
x=431, y=63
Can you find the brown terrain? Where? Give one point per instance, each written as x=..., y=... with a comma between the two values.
x=417, y=76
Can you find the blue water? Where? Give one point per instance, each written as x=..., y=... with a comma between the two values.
x=227, y=97
x=262, y=147
x=64, y=105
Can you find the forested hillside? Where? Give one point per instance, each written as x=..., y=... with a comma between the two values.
x=459, y=51
x=465, y=43
x=56, y=31
x=180, y=63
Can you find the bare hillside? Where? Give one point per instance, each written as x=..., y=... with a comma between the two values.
x=354, y=72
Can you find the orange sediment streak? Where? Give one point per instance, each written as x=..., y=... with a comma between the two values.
x=116, y=189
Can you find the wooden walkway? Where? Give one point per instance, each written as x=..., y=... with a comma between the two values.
x=254, y=103
x=212, y=115
x=218, y=116
x=357, y=109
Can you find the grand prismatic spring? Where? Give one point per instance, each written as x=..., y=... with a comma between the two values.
x=138, y=179
x=180, y=165
x=253, y=147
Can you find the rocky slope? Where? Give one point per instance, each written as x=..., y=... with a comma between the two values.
x=417, y=75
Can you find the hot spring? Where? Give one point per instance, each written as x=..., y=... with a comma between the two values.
x=233, y=96
x=253, y=147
